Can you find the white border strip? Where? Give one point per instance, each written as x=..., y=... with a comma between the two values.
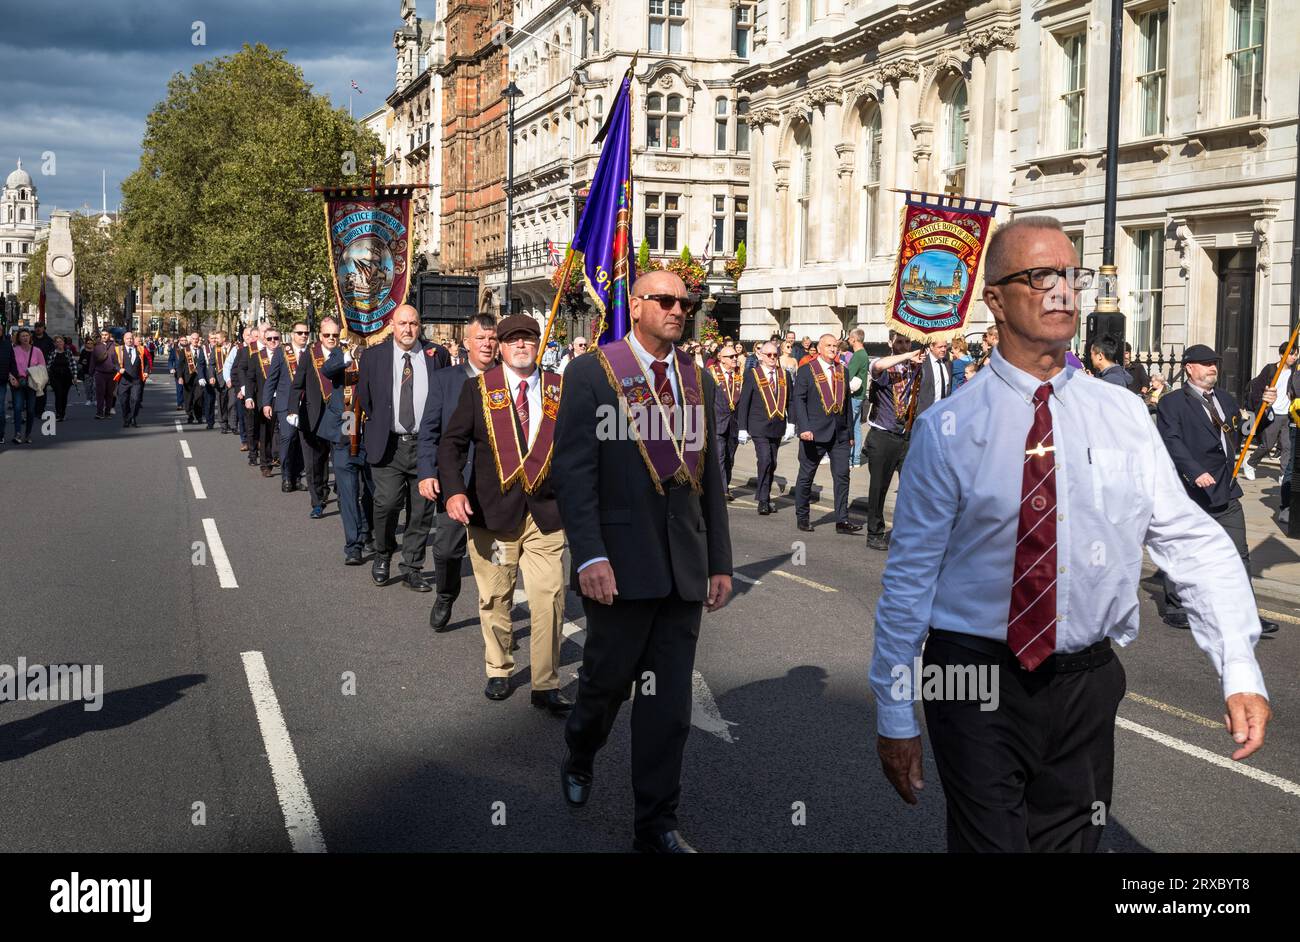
x=199, y=493
x=220, y=561
x=185, y=449
x=290, y=788
x=1268, y=778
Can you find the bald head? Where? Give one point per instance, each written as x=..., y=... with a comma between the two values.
x=406, y=326
x=657, y=326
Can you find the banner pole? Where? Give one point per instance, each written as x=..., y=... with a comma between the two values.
x=555, y=302
x=1290, y=345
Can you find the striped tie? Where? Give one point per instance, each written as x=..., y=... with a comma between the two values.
x=1031, y=621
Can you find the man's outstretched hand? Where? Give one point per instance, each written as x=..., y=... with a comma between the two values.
x=1248, y=714
x=900, y=759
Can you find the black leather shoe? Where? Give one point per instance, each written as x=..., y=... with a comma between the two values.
x=764, y=509
x=877, y=541
x=498, y=688
x=368, y=547
x=669, y=842
x=730, y=496
x=352, y=557
x=805, y=526
x=379, y=570
x=415, y=582
x=440, y=614
x=847, y=527
x=551, y=701
x=575, y=784
x=1176, y=621
x=286, y=487
x=1267, y=627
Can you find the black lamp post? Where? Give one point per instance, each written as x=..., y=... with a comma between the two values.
x=511, y=95
x=1108, y=288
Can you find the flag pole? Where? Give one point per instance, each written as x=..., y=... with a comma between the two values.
x=1286, y=355
x=555, y=302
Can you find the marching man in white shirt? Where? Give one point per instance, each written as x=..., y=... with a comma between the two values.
x=1024, y=507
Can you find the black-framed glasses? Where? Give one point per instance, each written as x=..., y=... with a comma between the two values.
x=667, y=301
x=1044, y=279
x=272, y=337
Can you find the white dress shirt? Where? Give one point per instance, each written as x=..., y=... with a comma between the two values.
x=419, y=385
x=534, y=398
x=955, y=525
x=939, y=373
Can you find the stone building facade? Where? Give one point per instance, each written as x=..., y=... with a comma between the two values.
x=20, y=231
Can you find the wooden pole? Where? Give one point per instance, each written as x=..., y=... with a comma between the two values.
x=1286, y=355
x=555, y=302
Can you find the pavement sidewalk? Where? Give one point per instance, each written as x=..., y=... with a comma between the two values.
x=1274, y=558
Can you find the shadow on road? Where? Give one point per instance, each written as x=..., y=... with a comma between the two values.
x=70, y=720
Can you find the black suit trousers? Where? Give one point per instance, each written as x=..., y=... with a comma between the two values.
x=765, y=450
x=449, y=543
x=129, y=396
x=1036, y=773
x=626, y=640
x=885, y=453
x=397, y=483
x=810, y=456
x=727, y=443
x=315, y=461
x=261, y=437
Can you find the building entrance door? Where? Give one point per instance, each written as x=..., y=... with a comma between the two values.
x=1235, y=317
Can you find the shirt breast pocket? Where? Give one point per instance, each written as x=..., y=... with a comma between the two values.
x=1120, y=485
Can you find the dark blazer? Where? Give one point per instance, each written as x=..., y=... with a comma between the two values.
x=183, y=374
x=1194, y=445
x=340, y=375
x=253, y=379
x=655, y=542
x=306, y=392
x=810, y=415
x=133, y=373
x=751, y=413
x=444, y=396
x=925, y=395
x=279, y=383
x=493, y=509
x=725, y=415
x=375, y=387
x=7, y=366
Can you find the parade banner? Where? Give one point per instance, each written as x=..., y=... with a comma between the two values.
x=370, y=241
x=940, y=252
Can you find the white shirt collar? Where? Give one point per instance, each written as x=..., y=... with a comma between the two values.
x=515, y=377
x=644, y=355
x=1025, y=384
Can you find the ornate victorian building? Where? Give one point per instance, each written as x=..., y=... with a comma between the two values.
x=20, y=231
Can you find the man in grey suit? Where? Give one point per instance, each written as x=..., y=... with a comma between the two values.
x=444, y=393
x=936, y=376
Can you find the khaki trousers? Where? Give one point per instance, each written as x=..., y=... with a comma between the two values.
x=497, y=558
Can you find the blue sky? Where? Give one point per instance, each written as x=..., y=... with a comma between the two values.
x=80, y=76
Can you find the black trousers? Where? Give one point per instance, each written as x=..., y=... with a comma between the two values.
x=315, y=459
x=287, y=448
x=129, y=397
x=208, y=403
x=885, y=454
x=193, y=402
x=61, y=387
x=765, y=450
x=223, y=406
x=624, y=640
x=1233, y=520
x=1036, y=773
x=727, y=443
x=261, y=434
x=810, y=456
x=449, y=544
x=396, y=482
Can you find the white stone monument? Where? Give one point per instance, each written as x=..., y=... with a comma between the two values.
x=60, y=277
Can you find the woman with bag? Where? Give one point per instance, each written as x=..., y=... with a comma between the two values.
x=62, y=374
x=26, y=386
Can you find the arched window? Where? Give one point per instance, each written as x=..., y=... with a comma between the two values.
x=663, y=121
x=956, y=121
x=22, y=214
x=720, y=125
x=869, y=175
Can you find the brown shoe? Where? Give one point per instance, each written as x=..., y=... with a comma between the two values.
x=243, y=447
x=268, y=472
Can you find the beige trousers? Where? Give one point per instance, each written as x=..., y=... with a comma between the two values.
x=498, y=557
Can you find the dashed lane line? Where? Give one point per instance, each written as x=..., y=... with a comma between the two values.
x=178, y=428
x=1223, y=762
x=220, y=561
x=802, y=581
x=295, y=803
x=1173, y=710
x=1280, y=616
x=199, y=493
x=745, y=579
x=185, y=449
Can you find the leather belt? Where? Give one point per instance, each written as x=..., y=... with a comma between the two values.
x=1090, y=658
x=403, y=437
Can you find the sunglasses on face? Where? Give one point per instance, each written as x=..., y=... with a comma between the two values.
x=667, y=301
x=329, y=336
x=300, y=332
x=272, y=339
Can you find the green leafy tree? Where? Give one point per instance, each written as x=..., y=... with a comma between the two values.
x=643, y=256
x=224, y=161
x=102, y=273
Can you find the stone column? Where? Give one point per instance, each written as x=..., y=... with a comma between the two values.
x=980, y=168
x=60, y=277
x=833, y=219
x=781, y=245
x=998, y=82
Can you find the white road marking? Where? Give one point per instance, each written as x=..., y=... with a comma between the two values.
x=1223, y=762
x=704, y=709
x=178, y=428
x=199, y=493
x=1280, y=616
x=295, y=803
x=185, y=448
x=802, y=581
x=220, y=562
x=746, y=579
x=1173, y=710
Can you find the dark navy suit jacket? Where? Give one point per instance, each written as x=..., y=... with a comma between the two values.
x=806, y=407
x=278, y=391
x=444, y=394
x=752, y=414
x=1194, y=443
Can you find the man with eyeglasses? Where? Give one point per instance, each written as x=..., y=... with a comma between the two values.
x=284, y=401
x=762, y=410
x=727, y=376
x=821, y=419
x=258, y=406
x=1010, y=492
x=579, y=348
x=647, y=525
x=221, y=378
x=395, y=379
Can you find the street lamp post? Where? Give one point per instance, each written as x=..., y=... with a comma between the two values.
x=1108, y=287
x=511, y=95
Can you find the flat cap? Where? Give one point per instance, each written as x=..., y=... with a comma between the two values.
x=1200, y=353
x=517, y=323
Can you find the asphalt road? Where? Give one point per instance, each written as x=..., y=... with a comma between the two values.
x=395, y=746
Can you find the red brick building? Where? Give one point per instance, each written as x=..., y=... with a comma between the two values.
x=474, y=134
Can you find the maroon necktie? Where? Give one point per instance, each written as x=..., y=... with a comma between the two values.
x=521, y=409
x=1031, y=621
x=664, y=392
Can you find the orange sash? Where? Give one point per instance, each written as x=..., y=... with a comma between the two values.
x=832, y=388
x=774, y=401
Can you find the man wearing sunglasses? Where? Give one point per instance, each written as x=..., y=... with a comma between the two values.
x=726, y=374
x=260, y=404
x=822, y=415
x=284, y=404
x=1024, y=508
x=648, y=536
x=762, y=410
